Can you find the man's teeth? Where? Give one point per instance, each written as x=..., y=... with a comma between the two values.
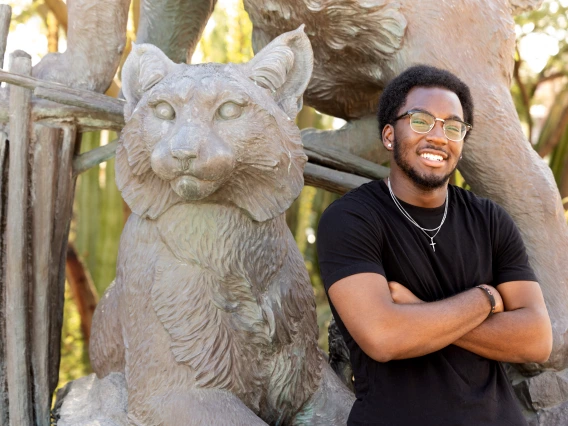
x=432, y=157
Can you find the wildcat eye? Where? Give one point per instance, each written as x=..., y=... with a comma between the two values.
x=164, y=111
x=230, y=111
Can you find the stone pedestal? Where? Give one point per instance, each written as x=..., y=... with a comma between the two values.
x=89, y=401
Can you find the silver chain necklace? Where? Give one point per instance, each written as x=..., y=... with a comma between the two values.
x=424, y=230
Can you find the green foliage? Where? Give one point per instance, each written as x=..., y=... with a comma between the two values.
x=551, y=20
x=545, y=88
x=74, y=358
x=23, y=11
x=97, y=223
x=111, y=222
x=459, y=180
x=98, y=217
x=87, y=198
x=559, y=158
x=228, y=35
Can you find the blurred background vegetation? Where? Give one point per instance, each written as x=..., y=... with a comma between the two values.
x=539, y=88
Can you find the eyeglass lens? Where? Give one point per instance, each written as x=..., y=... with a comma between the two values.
x=422, y=122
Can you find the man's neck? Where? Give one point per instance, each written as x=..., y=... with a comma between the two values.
x=409, y=192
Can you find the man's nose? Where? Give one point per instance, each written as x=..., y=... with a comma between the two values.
x=437, y=133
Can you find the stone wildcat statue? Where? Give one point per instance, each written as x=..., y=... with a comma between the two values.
x=211, y=317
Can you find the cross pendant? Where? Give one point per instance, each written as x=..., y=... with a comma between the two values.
x=432, y=243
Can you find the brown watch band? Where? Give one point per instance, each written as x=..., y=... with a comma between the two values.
x=491, y=298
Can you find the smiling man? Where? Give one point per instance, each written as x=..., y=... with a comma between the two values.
x=430, y=285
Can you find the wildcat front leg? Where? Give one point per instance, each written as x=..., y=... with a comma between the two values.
x=198, y=407
x=329, y=405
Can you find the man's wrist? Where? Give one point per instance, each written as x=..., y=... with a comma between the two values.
x=490, y=296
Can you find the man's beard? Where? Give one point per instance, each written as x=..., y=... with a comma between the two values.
x=427, y=182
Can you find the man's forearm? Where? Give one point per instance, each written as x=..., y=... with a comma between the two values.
x=520, y=334
x=387, y=323
x=420, y=329
x=513, y=336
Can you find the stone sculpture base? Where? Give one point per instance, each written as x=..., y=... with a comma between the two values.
x=544, y=398
x=89, y=401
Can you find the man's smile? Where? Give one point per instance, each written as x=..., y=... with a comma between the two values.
x=433, y=158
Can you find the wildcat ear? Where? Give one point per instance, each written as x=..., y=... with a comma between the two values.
x=145, y=66
x=284, y=67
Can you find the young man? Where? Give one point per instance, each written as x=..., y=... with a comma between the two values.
x=430, y=285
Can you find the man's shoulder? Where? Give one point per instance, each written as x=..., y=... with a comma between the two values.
x=360, y=197
x=474, y=202
x=362, y=204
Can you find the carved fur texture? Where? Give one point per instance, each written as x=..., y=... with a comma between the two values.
x=211, y=292
x=355, y=45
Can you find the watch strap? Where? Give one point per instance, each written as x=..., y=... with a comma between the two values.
x=491, y=298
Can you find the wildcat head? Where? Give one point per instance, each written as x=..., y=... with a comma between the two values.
x=214, y=132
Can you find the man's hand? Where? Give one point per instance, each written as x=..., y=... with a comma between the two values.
x=521, y=333
x=401, y=295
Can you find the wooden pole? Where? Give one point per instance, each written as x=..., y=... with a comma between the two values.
x=94, y=157
x=3, y=151
x=331, y=180
x=84, y=99
x=344, y=161
x=3, y=206
x=44, y=169
x=65, y=95
x=54, y=115
x=63, y=209
x=17, y=351
x=5, y=16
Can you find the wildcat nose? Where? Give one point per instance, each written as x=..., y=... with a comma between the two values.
x=183, y=154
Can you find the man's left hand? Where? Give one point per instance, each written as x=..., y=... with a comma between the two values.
x=401, y=295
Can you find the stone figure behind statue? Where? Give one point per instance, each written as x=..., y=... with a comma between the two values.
x=211, y=318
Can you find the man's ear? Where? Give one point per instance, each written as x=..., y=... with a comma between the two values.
x=145, y=66
x=284, y=67
x=388, y=137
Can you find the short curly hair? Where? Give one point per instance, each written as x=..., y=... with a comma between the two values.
x=395, y=93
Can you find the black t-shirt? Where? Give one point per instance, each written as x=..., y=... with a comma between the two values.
x=478, y=244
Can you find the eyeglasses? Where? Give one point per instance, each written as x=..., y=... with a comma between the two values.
x=423, y=122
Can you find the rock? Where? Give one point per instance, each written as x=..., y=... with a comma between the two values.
x=545, y=397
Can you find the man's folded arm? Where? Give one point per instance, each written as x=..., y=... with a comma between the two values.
x=387, y=331
x=520, y=334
